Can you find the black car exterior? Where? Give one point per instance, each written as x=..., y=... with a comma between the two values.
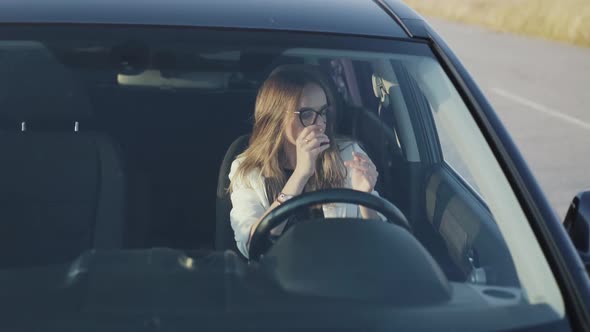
x=385, y=19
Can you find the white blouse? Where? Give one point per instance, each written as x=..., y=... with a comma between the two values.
x=249, y=201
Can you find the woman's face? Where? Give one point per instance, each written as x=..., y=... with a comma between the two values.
x=313, y=96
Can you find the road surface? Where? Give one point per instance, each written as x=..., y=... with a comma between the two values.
x=541, y=91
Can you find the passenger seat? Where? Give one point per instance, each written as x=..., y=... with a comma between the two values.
x=62, y=189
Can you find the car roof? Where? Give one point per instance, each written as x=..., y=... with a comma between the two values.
x=358, y=17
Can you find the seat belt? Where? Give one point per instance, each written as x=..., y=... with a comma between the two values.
x=383, y=95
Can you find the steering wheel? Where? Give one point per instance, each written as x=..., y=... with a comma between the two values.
x=260, y=241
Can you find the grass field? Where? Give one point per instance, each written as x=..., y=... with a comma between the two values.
x=564, y=20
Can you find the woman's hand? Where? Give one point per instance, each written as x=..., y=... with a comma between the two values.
x=364, y=173
x=309, y=146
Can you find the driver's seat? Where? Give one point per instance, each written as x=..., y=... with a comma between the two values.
x=224, y=234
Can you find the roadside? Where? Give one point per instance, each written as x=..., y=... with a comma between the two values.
x=562, y=20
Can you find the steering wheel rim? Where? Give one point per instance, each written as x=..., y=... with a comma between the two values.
x=260, y=241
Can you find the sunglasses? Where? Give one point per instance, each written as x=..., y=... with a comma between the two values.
x=308, y=116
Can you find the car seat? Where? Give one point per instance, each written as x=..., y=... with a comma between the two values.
x=62, y=186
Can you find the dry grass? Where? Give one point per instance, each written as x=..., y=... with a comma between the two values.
x=565, y=20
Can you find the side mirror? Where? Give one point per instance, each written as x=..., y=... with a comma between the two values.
x=577, y=225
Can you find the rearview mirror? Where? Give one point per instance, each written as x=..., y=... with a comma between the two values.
x=577, y=225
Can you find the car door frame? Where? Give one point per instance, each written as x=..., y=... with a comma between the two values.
x=562, y=256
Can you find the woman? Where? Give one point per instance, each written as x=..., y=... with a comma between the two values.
x=292, y=150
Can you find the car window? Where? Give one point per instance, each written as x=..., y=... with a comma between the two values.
x=115, y=141
x=450, y=152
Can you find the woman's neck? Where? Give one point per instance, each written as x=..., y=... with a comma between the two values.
x=290, y=156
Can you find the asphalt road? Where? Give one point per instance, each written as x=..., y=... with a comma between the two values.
x=541, y=91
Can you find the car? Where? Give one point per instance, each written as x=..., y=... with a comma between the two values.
x=119, y=122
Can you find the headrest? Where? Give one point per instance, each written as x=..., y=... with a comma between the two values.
x=35, y=86
x=383, y=80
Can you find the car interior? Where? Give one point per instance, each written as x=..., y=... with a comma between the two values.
x=115, y=144
x=116, y=155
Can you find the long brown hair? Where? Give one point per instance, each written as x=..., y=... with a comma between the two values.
x=277, y=99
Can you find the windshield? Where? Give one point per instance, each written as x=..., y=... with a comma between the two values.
x=117, y=202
